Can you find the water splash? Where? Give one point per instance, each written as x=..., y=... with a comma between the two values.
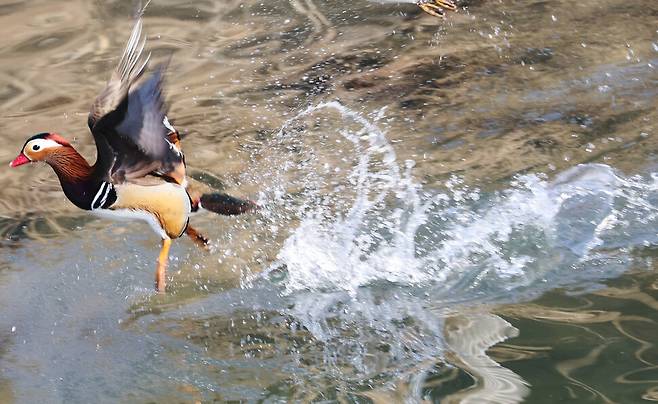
x=373, y=265
x=335, y=244
x=363, y=219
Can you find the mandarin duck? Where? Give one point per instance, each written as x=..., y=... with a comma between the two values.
x=140, y=170
x=436, y=8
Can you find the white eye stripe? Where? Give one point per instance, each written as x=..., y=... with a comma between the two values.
x=41, y=144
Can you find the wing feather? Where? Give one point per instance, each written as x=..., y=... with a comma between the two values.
x=122, y=78
x=130, y=114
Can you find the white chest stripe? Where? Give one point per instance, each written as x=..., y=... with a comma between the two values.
x=102, y=193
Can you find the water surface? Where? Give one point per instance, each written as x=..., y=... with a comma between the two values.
x=455, y=211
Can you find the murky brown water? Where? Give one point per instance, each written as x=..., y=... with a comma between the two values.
x=499, y=89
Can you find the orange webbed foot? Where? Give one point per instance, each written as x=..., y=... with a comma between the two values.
x=199, y=239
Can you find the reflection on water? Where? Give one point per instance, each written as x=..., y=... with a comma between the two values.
x=469, y=338
x=591, y=341
x=428, y=186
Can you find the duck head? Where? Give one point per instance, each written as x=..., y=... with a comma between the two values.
x=41, y=147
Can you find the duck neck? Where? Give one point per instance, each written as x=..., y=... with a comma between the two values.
x=80, y=181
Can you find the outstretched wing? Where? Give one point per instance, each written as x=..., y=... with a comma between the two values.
x=130, y=115
x=126, y=73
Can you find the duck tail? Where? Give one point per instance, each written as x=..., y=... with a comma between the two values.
x=225, y=204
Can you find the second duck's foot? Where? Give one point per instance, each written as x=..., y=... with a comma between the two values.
x=437, y=7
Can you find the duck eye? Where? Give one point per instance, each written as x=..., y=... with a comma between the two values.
x=36, y=147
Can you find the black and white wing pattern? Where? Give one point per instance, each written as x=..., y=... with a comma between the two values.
x=130, y=115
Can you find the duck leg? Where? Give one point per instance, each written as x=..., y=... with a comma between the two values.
x=199, y=239
x=161, y=271
x=437, y=7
